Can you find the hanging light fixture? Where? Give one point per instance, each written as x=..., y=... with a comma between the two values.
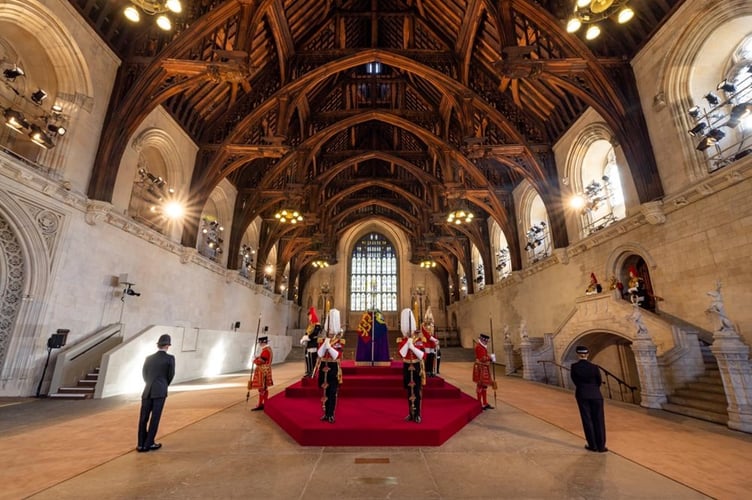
x=158, y=8
x=460, y=216
x=428, y=263
x=289, y=216
x=320, y=263
x=591, y=12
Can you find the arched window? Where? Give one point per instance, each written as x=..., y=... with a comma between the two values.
x=537, y=235
x=373, y=274
x=722, y=119
x=502, y=259
x=150, y=190
x=479, y=276
x=601, y=201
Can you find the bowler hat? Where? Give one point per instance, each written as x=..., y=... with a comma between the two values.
x=581, y=349
x=164, y=340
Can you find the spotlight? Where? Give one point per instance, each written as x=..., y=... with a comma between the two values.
x=698, y=129
x=712, y=99
x=38, y=96
x=40, y=137
x=13, y=73
x=704, y=144
x=56, y=129
x=15, y=120
x=712, y=138
x=739, y=113
x=716, y=134
x=694, y=112
x=726, y=86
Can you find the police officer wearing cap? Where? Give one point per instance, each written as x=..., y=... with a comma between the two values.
x=587, y=381
x=158, y=372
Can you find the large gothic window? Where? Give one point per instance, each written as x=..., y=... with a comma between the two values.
x=537, y=236
x=601, y=202
x=373, y=274
x=721, y=121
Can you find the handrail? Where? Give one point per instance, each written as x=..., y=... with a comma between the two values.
x=622, y=384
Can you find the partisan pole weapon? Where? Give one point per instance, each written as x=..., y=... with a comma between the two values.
x=253, y=368
x=493, y=364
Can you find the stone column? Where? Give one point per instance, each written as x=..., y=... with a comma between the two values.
x=526, y=350
x=508, y=352
x=652, y=390
x=732, y=355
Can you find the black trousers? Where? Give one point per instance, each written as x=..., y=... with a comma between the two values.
x=148, y=420
x=411, y=379
x=310, y=363
x=329, y=376
x=593, y=422
x=431, y=364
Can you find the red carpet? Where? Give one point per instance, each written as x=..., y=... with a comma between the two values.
x=371, y=409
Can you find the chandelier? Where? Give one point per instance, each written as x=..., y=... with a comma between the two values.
x=288, y=215
x=319, y=263
x=158, y=8
x=427, y=263
x=592, y=12
x=460, y=216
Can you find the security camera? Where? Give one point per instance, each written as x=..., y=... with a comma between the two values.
x=129, y=290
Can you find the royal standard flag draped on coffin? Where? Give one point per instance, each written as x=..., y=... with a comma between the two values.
x=372, y=328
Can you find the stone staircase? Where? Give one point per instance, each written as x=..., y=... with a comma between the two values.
x=704, y=398
x=83, y=390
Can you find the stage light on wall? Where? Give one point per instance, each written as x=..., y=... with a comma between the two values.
x=730, y=108
x=27, y=114
x=40, y=137
x=11, y=74
x=38, y=97
x=712, y=99
x=15, y=120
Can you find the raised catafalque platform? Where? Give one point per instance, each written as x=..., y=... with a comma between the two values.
x=371, y=410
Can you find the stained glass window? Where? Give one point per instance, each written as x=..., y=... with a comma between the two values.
x=373, y=274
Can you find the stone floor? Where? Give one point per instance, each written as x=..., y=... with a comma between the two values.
x=530, y=446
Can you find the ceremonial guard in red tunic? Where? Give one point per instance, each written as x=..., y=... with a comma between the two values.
x=330, y=373
x=309, y=341
x=482, y=370
x=262, y=372
x=411, y=348
x=431, y=345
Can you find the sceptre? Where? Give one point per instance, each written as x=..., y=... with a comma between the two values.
x=493, y=363
x=250, y=378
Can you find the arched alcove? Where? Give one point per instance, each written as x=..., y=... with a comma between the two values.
x=24, y=266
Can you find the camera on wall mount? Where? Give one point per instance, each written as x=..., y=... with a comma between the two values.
x=122, y=280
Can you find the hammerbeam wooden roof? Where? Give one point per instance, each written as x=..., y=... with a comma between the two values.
x=358, y=109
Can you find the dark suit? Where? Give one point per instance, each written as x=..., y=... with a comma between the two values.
x=587, y=380
x=158, y=372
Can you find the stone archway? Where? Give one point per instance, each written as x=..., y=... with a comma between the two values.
x=614, y=353
x=29, y=234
